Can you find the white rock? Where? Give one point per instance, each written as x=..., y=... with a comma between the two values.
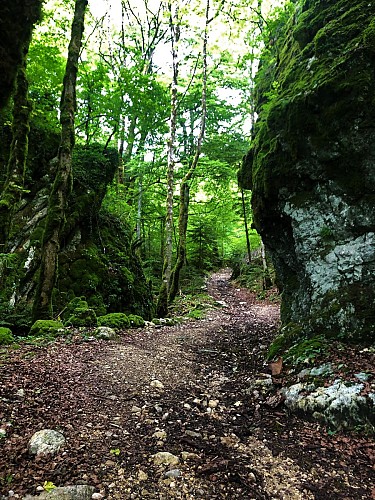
x=105, y=333
x=97, y=496
x=46, y=441
x=157, y=384
x=3, y=433
x=142, y=476
x=160, y=435
x=165, y=458
x=77, y=492
x=20, y=393
x=213, y=403
x=173, y=474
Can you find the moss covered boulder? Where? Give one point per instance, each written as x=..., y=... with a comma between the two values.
x=6, y=336
x=312, y=165
x=45, y=328
x=116, y=321
x=97, y=260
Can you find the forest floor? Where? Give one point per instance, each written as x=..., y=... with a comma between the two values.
x=183, y=389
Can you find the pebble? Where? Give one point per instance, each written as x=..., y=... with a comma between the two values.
x=97, y=496
x=165, y=458
x=213, y=403
x=142, y=476
x=160, y=435
x=136, y=409
x=157, y=384
x=174, y=473
x=193, y=434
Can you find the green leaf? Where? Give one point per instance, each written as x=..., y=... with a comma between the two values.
x=48, y=486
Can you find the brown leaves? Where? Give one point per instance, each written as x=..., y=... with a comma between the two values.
x=276, y=367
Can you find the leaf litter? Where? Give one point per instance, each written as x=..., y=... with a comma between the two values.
x=186, y=391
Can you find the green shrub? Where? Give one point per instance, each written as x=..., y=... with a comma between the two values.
x=45, y=327
x=72, y=306
x=6, y=336
x=136, y=321
x=114, y=320
x=82, y=316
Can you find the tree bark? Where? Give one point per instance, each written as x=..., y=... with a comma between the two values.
x=184, y=188
x=162, y=303
x=13, y=188
x=63, y=180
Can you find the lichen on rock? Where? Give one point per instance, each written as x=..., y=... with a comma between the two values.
x=312, y=166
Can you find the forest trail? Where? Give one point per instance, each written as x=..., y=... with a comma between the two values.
x=187, y=390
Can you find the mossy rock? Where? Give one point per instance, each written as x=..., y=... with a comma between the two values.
x=73, y=305
x=105, y=333
x=82, y=316
x=117, y=321
x=136, y=321
x=45, y=327
x=6, y=336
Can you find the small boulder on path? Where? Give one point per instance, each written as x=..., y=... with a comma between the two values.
x=76, y=492
x=46, y=441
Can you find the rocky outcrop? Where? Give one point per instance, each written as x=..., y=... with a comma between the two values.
x=97, y=261
x=312, y=166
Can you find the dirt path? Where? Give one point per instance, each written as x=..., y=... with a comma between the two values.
x=186, y=390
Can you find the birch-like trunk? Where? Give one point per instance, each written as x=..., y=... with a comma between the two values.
x=183, y=216
x=63, y=180
x=162, y=304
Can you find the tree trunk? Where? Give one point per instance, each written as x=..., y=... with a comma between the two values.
x=246, y=225
x=13, y=188
x=184, y=189
x=63, y=180
x=162, y=303
x=267, y=283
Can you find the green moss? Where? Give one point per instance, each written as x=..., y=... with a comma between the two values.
x=6, y=336
x=369, y=36
x=82, y=316
x=117, y=321
x=306, y=351
x=290, y=333
x=43, y=328
x=136, y=321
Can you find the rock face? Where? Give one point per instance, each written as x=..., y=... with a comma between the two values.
x=312, y=166
x=96, y=261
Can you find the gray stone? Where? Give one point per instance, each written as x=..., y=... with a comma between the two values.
x=173, y=474
x=340, y=405
x=312, y=174
x=77, y=492
x=105, y=333
x=46, y=441
x=165, y=458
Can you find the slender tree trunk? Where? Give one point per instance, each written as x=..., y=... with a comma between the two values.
x=63, y=180
x=267, y=283
x=162, y=303
x=13, y=187
x=184, y=189
x=246, y=225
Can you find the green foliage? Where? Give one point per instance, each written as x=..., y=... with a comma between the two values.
x=118, y=321
x=48, y=486
x=45, y=328
x=306, y=350
x=6, y=336
x=136, y=321
x=82, y=316
x=288, y=336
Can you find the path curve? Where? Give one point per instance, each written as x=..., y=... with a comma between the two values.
x=187, y=390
